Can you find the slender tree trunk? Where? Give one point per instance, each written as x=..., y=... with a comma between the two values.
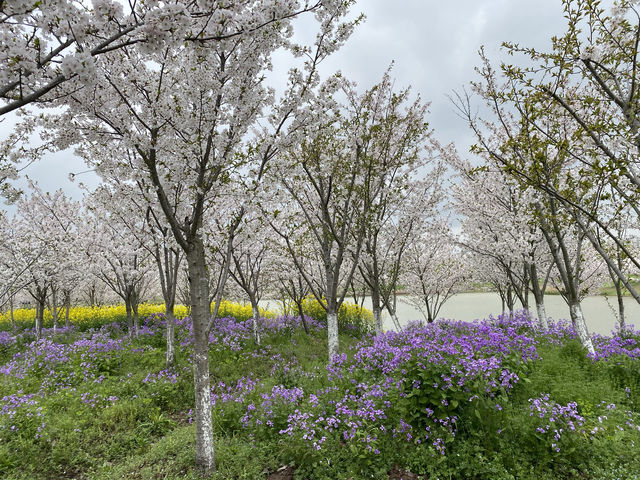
x=136, y=317
x=54, y=309
x=525, y=287
x=168, y=275
x=39, y=317
x=396, y=321
x=569, y=273
x=538, y=295
x=377, y=310
x=525, y=295
x=302, y=319
x=510, y=301
x=577, y=318
x=255, y=320
x=200, y=313
x=127, y=307
x=332, y=331
x=67, y=306
x=38, y=325
x=621, y=320
x=13, y=320
x=170, y=320
x=429, y=310
x=391, y=308
x=92, y=296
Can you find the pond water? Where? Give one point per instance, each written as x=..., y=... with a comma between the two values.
x=600, y=312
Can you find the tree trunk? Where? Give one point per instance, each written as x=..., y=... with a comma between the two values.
x=577, y=318
x=511, y=303
x=302, y=319
x=67, y=307
x=542, y=316
x=200, y=313
x=429, y=312
x=13, y=320
x=377, y=310
x=92, y=296
x=394, y=316
x=169, y=318
x=255, y=320
x=396, y=321
x=127, y=307
x=525, y=294
x=538, y=295
x=136, y=317
x=621, y=320
x=377, y=320
x=332, y=332
x=54, y=309
x=39, y=317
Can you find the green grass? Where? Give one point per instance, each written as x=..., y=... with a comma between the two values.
x=147, y=434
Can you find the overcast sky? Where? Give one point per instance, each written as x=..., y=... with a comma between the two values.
x=433, y=43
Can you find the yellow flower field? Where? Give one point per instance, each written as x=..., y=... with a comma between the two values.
x=93, y=316
x=86, y=317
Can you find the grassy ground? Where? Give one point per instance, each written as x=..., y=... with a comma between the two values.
x=519, y=404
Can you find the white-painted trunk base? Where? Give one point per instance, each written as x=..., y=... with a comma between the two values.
x=581, y=327
x=205, y=454
x=254, y=324
x=171, y=336
x=332, y=333
x=377, y=320
x=542, y=316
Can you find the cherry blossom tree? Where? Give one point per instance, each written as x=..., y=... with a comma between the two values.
x=154, y=235
x=189, y=113
x=168, y=258
x=590, y=81
x=498, y=223
x=252, y=263
x=435, y=269
x=394, y=137
x=40, y=245
x=291, y=260
x=12, y=269
x=49, y=49
x=528, y=153
x=325, y=181
x=61, y=213
x=120, y=260
x=18, y=257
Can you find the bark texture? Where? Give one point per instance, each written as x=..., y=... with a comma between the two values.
x=254, y=321
x=171, y=336
x=377, y=319
x=332, y=332
x=200, y=313
x=581, y=327
x=542, y=316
